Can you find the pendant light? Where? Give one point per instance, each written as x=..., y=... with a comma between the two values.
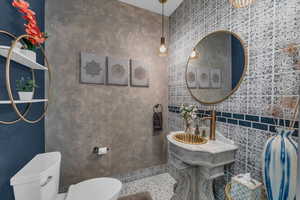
x=241, y=3
x=163, y=50
x=194, y=54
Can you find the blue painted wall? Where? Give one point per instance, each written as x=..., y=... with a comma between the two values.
x=237, y=60
x=20, y=142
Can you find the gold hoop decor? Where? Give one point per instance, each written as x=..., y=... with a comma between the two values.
x=33, y=77
x=9, y=34
x=241, y=78
x=8, y=85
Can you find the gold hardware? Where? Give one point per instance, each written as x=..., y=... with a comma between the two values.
x=227, y=191
x=8, y=85
x=163, y=1
x=213, y=123
x=9, y=34
x=33, y=78
x=187, y=138
x=241, y=79
x=241, y=4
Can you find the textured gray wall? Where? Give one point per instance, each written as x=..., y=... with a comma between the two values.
x=83, y=116
x=266, y=27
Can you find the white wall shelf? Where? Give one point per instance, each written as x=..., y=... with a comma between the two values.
x=22, y=101
x=21, y=59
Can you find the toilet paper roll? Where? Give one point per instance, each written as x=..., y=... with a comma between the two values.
x=102, y=151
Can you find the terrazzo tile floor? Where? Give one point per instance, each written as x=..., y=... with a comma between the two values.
x=159, y=186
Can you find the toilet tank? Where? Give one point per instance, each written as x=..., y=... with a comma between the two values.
x=38, y=179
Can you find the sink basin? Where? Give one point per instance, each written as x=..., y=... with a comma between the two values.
x=209, y=154
x=199, y=163
x=189, y=138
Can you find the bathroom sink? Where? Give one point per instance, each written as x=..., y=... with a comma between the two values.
x=189, y=138
x=209, y=154
x=198, y=164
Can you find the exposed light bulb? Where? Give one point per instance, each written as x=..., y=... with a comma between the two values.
x=163, y=51
x=194, y=54
x=162, y=48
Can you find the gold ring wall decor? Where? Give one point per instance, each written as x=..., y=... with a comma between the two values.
x=8, y=34
x=33, y=77
x=245, y=66
x=8, y=85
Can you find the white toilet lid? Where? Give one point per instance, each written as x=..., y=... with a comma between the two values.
x=95, y=189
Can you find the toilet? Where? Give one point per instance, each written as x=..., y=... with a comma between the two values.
x=39, y=180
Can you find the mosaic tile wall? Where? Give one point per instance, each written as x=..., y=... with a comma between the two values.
x=266, y=27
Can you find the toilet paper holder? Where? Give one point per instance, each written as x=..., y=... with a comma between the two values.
x=100, y=150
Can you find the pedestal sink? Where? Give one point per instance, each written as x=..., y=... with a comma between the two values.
x=196, y=165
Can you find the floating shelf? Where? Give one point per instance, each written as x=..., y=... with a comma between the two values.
x=22, y=101
x=20, y=58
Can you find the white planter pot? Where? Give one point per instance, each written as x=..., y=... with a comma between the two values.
x=25, y=52
x=25, y=96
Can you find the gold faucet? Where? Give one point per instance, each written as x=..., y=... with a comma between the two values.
x=213, y=120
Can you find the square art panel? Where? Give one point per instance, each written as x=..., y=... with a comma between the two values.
x=139, y=74
x=191, y=77
x=215, y=78
x=117, y=71
x=203, y=78
x=92, y=69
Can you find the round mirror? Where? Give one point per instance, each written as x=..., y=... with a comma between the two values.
x=216, y=67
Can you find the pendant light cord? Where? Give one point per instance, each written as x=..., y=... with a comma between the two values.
x=163, y=20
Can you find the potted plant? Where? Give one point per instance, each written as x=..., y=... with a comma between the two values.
x=188, y=113
x=29, y=45
x=25, y=88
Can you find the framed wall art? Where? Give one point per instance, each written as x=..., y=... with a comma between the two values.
x=191, y=78
x=139, y=74
x=92, y=69
x=203, y=77
x=215, y=78
x=117, y=71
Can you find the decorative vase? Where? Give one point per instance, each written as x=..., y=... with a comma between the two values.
x=25, y=96
x=25, y=52
x=188, y=127
x=280, y=166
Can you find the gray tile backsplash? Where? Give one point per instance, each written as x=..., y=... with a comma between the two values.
x=266, y=27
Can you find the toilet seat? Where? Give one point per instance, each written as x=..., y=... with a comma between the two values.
x=95, y=189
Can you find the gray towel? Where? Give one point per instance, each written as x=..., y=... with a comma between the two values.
x=157, y=121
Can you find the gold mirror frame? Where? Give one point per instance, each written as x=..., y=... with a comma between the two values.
x=8, y=85
x=33, y=78
x=241, y=79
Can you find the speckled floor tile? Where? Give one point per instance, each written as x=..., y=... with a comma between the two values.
x=160, y=187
